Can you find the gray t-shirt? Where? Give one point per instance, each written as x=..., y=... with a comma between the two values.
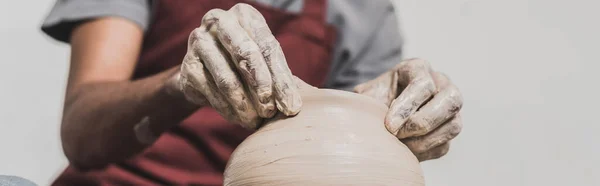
x=368, y=43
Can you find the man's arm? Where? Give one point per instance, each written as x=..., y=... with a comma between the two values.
x=102, y=105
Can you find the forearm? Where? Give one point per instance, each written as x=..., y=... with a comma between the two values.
x=99, y=118
x=102, y=105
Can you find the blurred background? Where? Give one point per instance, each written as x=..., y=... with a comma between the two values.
x=527, y=69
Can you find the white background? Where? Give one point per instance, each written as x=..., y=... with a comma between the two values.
x=527, y=69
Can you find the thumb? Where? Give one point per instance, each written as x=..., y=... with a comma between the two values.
x=383, y=88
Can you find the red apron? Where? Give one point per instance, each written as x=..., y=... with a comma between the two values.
x=196, y=151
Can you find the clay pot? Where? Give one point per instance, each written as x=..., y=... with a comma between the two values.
x=337, y=139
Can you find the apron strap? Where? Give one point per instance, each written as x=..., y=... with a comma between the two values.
x=316, y=9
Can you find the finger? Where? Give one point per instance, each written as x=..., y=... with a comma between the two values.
x=383, y=88
x=286, y=94
x=434, y=153
x=196, y=80
x=189, y=91
x=441, y=80
x=441, y=135
x=443, y=106
x=246, y=57
x=227, y=82
x=417, y=85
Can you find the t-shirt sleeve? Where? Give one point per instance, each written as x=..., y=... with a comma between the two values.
x=66, y=14
x=369, y=42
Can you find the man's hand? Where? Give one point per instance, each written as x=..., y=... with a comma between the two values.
x=235, y=64
x=424, y=107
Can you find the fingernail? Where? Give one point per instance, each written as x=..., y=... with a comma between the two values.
x=267, y=110
x=264, y=95
x=291, y=107
x=391, y=126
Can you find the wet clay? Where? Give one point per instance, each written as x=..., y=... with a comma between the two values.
x=337, y=139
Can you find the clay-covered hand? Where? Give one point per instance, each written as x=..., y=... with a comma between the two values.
x=235, y=64
x=424, y=107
